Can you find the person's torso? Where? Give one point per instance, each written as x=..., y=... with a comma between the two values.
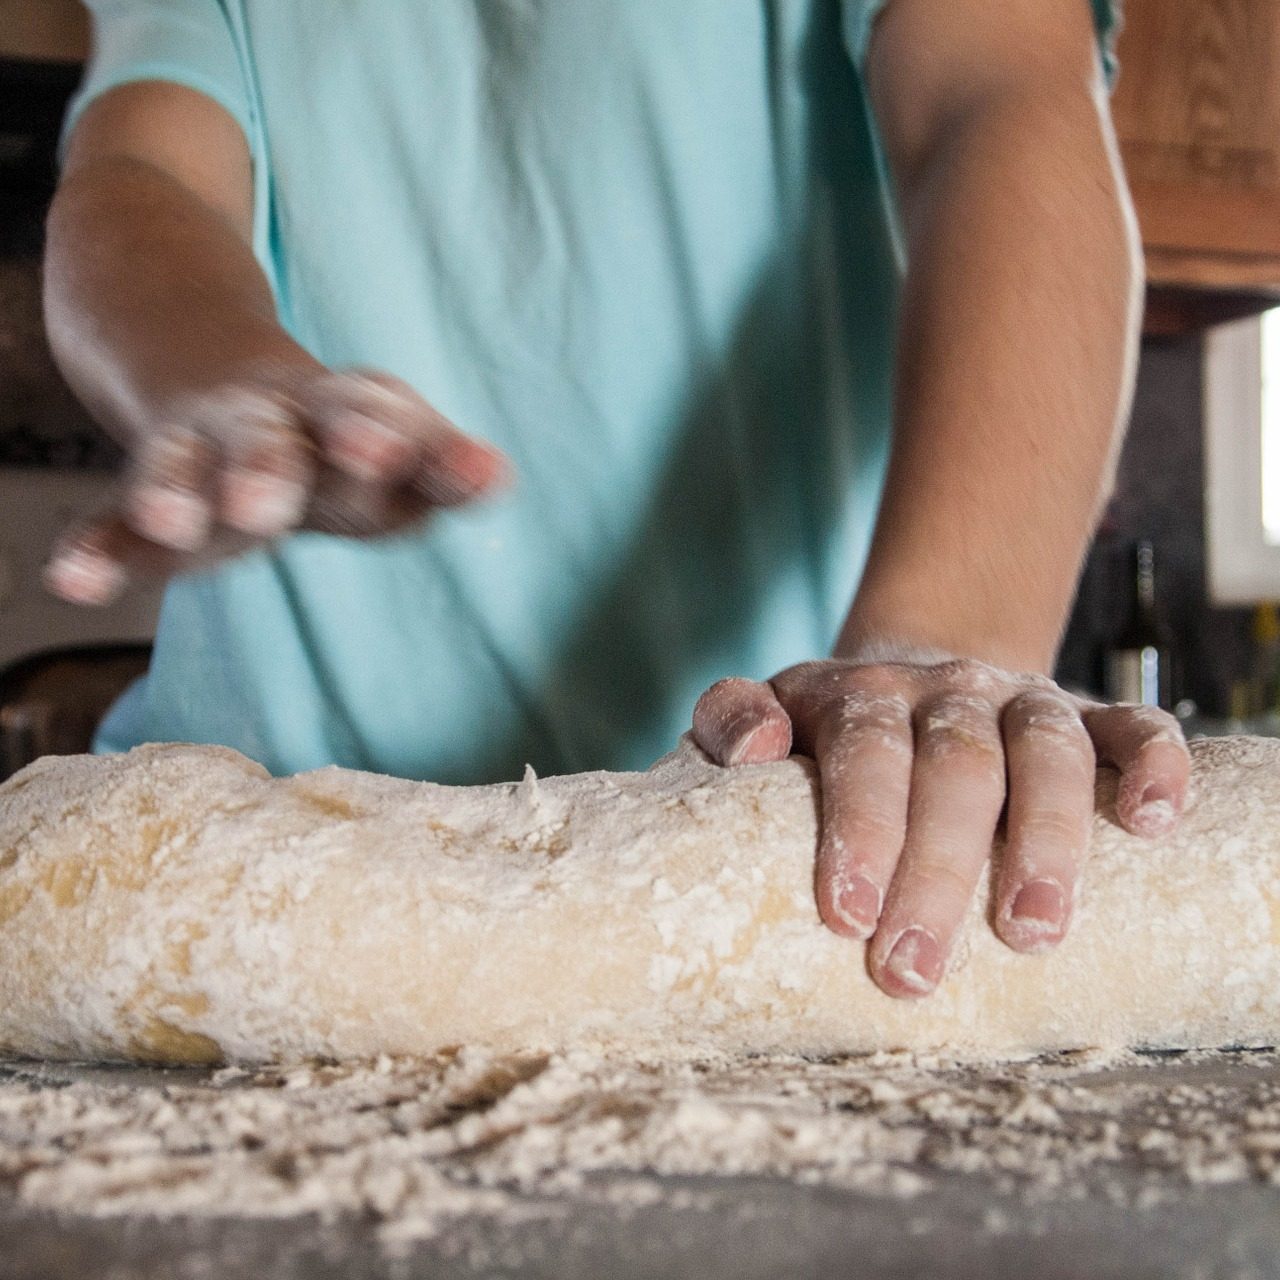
x=642, y=248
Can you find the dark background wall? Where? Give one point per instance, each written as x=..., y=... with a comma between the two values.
x=40, y=422
x=1159, y=494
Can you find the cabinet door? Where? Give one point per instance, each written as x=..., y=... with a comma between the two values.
x=1197, y=108
x=45, y=30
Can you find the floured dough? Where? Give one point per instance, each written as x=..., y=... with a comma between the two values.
x=177, y=904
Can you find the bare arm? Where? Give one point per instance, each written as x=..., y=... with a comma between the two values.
x=164, y=324
x=1016, y=350
x=152, y=291
x=1018, y=329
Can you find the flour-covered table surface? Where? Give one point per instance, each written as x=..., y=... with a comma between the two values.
x=1085, y=1165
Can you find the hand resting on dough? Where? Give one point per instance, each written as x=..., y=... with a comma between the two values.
x=918, y=760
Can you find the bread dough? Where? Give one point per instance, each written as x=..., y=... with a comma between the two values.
x=178, y=904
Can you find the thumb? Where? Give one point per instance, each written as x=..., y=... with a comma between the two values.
x=742, y=722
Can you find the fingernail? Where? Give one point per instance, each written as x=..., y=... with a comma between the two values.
x=768, y=740
x=741, y=750
x=464, y=471
x=1039, y=909
x=857, y=903
x=84, y=578
x=261, y=504
x=175, y=518
x=1156, y=810
x=486, y=465
x=916, y=960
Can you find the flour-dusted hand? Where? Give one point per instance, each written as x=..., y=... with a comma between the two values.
x=355, y=453
x=165, y=324
x=917, y=759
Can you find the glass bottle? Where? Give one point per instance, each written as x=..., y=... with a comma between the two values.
x=1138, y=665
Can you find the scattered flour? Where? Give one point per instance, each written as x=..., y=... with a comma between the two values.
x=412, y=1145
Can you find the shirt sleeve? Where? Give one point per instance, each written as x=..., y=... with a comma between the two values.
x=186, y=42
x=860, y=15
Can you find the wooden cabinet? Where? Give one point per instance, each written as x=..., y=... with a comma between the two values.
x=44, y=30
x=1197, y=109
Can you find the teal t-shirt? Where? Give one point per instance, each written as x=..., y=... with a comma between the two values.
x=644, y=248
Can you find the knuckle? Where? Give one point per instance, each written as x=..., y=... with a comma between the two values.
x=1034, y=682
x=1059, y=731
x=397, y=407
x=876, y=826
x=801, y=679
x=1160, y=728
x=1134, y=737
x=960, y=708
x=948, y=742
x=378, y=385
x=1040, y=705
x=1149, y=724
x=880, y=679
x=935, y=877
x=168, y=457
x=959, y=724
x=857, y=720
x=1048, y=722
x=278, y=449
x=234, y=409
x=879, y=710
x=969, y=675
x=1060, y=738
x=1052, y=772
x=1060, y=828
x=82, y=539
x=819, y=682
x=388, y=404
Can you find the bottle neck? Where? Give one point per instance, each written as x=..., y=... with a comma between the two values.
x=1146, y=579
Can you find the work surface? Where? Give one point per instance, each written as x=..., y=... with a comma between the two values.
x=1072, y=1166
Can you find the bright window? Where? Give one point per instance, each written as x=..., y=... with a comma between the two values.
x=1271, y=426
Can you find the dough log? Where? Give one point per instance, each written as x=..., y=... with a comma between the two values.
x=177, y=904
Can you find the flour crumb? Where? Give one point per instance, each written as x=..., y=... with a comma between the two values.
x=412, y=1145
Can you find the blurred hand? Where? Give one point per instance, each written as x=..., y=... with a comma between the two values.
x=354, y=453
x=917, y=760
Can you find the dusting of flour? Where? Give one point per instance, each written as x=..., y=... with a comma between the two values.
x=413, y=1145
x=175, y=904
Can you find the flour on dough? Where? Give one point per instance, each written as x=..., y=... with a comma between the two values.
x=178, y=904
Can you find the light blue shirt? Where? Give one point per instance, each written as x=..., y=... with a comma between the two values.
x=643, y=246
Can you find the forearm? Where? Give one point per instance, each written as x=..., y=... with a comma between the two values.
x=1017, y=345
x=152, y=296
x=165, y=325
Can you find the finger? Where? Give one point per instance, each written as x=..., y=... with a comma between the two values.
x=807, y=692
x=166, y=495
x=741, y=722
x=93, y=563
x=457, y=469
x=266, y=468
x=81, y=571
x=1147, y=746
x=365, y=425
x=957, y=789
x=1050, y=764
x=376, y=428
x=864, y=758
x=351, y=508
